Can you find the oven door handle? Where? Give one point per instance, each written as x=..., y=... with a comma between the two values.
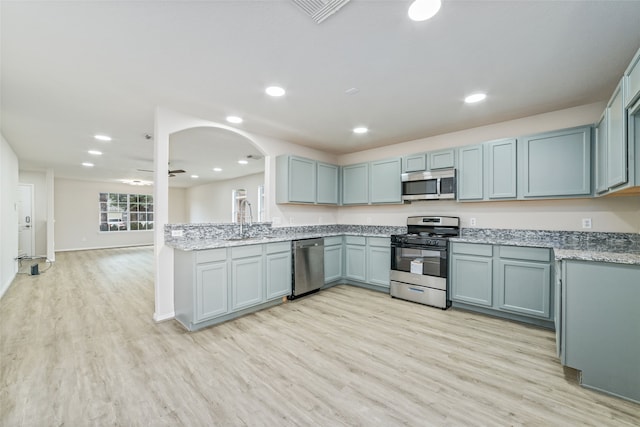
x=420, y=247
x=416, y=289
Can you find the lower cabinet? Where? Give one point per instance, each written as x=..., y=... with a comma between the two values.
x=509, y=281
x=333, y=254
x=601, y=325
x=214, y=285
x=246, y=276
x=368, y=260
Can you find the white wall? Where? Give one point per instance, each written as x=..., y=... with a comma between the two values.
x=212, y=202
x=38, y=179
x=77, y=216
x=178, y=206
x=8, y=215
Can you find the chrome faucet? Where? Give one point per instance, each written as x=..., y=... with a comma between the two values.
x=243, y=215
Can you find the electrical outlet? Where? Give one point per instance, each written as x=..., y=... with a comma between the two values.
x=290, y=220
x=177, y=233
x=586, y=222
x=472, y=222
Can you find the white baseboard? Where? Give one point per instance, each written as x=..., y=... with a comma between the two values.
x=104, y=247
x=162, y=317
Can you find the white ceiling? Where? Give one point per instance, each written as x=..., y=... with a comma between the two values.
x=72, y=69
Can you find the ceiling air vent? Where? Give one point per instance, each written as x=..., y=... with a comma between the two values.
x=319, y=10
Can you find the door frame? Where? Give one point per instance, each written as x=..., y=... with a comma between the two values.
x=31, y=188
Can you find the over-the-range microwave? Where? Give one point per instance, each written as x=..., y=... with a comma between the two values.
x=429, y=185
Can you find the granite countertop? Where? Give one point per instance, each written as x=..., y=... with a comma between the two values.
x=621, y=248
x=284, y=234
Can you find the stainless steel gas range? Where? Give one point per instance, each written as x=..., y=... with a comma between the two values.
x=420, y=262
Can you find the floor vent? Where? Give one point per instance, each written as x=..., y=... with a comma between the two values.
x=319, y=10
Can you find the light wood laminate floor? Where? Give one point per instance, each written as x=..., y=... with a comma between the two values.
x=79, y=348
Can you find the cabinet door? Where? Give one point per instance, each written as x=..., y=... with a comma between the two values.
x=386, y=186
x=501, y=170
x=471, y=280
x=442, y=159
x=327, y=184
x=211, y=290
x=278, y=272
x=355, y=184
x=355, y=262
x=601, y=155
x=332, y=263
x=295, y=180
x=616, y=140
x=555, y=163
x=246, y=282
x=379, y=265
x=470, y=173
x=632, y=75
x=524, y=287
x=414, y=163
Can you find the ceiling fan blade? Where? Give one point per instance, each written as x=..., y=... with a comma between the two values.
x=171, y=175
x=176, y=171
x=145, y=170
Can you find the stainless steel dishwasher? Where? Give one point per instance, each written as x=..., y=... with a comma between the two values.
x=308, y=266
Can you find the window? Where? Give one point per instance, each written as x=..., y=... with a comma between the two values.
x=126, y=212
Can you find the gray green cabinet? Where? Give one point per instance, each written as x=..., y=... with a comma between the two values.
x=215, y=285
x=555, y=164
x=506, y=281
x=278, y=270
x=471, y=275
x=295, y=180
x=524, y=281
x=501, y=169
x=246, y=276
x=211, y=287
x=355, y=255
x=355, y=184
x=441, y=159
x=327, y=183
x=385, y=185
x=601, y=325
x=470, y=172
x=414, y=163
x=600, y=151
x=632, y=81
x=616, y=169
x=378, y=260
x=333, y=255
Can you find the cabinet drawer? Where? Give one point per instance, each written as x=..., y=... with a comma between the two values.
x=211, y=255
x=525, y=253
x=332, y=241
x=246, y=251
x=384, y=242
x=273, y=248
x=355, y=240
x=472, y=249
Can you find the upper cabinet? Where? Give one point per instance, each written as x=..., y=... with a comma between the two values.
x=375, y=182
x=442, y=159
x=295, y=180
x=501, y=169
x=386, y=186
x=632, y=81
x=470, y=173
x=601, y=155
x=555, y=164
x=301, y=180
x=616, y=139
x=414, y=163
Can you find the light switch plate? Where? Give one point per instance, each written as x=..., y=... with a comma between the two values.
x=177, y=233
x=586, y=222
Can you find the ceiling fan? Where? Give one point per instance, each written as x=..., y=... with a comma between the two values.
x=170, y=172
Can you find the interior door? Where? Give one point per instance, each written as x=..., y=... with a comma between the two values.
x=26, y=232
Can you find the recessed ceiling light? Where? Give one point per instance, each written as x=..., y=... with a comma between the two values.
x=217, y=169
x=87, y=164
x=102, y=137
x=476, y=97
x=243, y=162
x=195, y=176
x=360, y=129
x=421, y=10
x=275, y=91
x=95, y=152
x=234, y=119
x=136, y=182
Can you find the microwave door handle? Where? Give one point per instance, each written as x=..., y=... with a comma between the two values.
x=438, y=186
